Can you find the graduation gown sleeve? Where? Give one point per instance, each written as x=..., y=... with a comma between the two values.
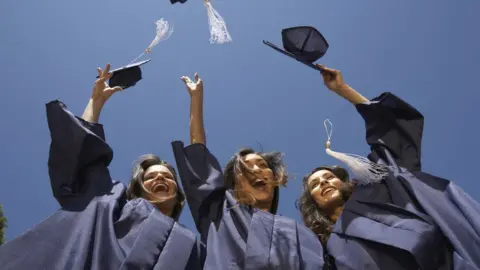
x=202, y=181
x=76, y=146
x=392, y=123
x=96, y=228
x=394, y=132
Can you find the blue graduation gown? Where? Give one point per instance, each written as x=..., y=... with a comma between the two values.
x=411, y=220
x=237, y=236
x=96, y=227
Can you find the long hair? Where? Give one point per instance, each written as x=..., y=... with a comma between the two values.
x=237, y=165
x=136, y=189
x=313, y=217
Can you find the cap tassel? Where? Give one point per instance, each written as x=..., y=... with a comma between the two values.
x=365, y=171
x=164, y=31
x=218, y=28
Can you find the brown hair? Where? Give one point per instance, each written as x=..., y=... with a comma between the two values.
x=136, y=189
x=237, y=165
x=313, y=217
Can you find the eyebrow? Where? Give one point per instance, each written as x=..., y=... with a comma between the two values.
x=310, y=182
x=328, y=173
x=162, y=173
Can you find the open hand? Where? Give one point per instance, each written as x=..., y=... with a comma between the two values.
x=194, y=87
x=101, y=90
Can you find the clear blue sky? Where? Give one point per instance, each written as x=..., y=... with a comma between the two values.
x=426, y=52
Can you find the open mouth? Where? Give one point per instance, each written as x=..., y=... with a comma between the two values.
x=161, y=187
x=327, y=190
x=259, y=184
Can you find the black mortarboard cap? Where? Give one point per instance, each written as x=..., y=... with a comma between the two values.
x=176, y=1
x=303, y=43
x=127, y=76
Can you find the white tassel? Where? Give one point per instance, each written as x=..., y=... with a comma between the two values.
x=218, y=28
x=163, y=32
x=365, y=171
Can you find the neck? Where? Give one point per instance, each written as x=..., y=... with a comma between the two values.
x=336, y=213
x=163, y=207
x=264, y=206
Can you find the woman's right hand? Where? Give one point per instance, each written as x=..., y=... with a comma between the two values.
x=101, y=90
x=101, y=93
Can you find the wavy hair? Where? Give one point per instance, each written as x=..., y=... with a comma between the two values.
x=136, y=189
x=313, y=217
x=237, y=165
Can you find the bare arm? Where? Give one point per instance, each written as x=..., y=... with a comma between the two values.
x=334, y=81
x=101, y=93
x=197, y=129
x=92, y=111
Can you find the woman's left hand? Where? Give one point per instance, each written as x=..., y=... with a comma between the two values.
x=194, y=88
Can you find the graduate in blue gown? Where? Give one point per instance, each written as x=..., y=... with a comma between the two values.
x=406, y=219
x=234, y=210
x=102, y=224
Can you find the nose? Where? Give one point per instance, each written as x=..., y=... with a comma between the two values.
x=324, y=183
x=159, y=177
x=256, y=168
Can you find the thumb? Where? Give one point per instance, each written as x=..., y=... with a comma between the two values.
x=117, y=88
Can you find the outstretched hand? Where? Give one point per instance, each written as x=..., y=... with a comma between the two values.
x=101, y=90
x=194, y=88
x=332, y=78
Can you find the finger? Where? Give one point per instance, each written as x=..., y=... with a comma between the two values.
x=117, y=88
x=184, y=79
x=99, y=70
x=101, y=80
x=196, y=77
x=105, y=78
x=326, y=69
x=106, y=71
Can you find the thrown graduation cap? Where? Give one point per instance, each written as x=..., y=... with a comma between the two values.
x=178, y=1
x=303, y=43
x=127, y=76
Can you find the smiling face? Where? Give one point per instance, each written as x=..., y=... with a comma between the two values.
x=257, y=179
x=159, y=181
x=155, y=181
x=325, y=188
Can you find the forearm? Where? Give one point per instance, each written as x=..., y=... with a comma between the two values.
x=197, y=130
x=93, y=110
x=351, y=95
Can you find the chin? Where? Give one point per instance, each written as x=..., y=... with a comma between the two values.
x=263, y=195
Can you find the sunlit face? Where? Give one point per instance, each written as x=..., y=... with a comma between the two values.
x=260, y=183
x=325, y=186
x=159, y=181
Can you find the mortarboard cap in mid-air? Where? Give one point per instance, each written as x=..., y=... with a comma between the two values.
x=127, y=76
x=176, y=1
x=303, y=43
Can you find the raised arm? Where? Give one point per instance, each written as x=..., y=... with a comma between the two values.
x=391, y=123
x=199, y=170
x=195, y=89
x=78, y=151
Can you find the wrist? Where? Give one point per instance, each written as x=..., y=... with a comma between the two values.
x=97, y=103
x=343, y=88
x=196, y=97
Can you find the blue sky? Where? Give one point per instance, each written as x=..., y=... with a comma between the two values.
x=426, y=52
